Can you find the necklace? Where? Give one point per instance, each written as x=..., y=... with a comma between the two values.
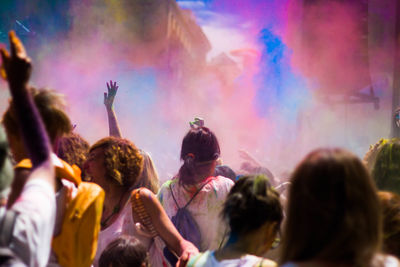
x=116, y=210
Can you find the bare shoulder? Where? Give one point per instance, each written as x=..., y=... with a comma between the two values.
x=147, y=197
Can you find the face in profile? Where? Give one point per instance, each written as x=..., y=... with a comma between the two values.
x=95, y=167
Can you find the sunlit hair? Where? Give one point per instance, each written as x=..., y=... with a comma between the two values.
x=149, y=176
x=123, y=162
x=250, y=204
x=333, y=211
x=51, y=108
x=73, y=149
x=391, y=222
x=385, y=165
x=370, y=157
x=126, y=251
x=199, y=148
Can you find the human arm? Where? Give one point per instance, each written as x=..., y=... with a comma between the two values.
x=17, y=67
x=112, y=89
x=163, y=225
x=33, y=228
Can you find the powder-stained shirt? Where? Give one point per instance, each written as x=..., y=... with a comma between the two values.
x=205, y=207
x=33, y=228
x=207, y=259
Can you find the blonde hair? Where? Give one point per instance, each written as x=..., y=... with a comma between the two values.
x=149, y=176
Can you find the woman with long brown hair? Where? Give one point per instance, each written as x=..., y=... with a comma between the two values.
x=333, y=216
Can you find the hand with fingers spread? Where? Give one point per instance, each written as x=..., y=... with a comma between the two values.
x=109, y=97
x=16, y=67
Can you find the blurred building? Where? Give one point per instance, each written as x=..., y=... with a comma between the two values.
x=184, y=46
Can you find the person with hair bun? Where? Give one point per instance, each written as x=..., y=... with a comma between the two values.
x=196, y=186
x=254, y=214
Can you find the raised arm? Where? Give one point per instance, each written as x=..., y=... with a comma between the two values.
x=112, y=89
x=33, y=225
x=17, y=70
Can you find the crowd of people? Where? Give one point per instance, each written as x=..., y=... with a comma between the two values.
x=66, y=203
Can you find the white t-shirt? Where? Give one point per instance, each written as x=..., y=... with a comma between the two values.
x=33, y=228
x=205, y=207
x=207, y=259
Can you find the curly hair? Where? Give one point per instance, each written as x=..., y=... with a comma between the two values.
x=123, y=161
x=51, y=108
x=251, y=203
x=73, y=149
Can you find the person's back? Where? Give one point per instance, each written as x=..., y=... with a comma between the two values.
x=196, y=193
x=205, y=207
x=254, y=213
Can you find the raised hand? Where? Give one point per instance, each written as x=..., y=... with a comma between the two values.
x=16, y=67
x=109, y=97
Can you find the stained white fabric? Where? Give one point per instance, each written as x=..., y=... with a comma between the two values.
x=205, y=207
x=33, y=229
x=208, y=259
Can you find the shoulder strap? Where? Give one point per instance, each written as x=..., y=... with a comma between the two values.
x=7, y=218
x=190, y=201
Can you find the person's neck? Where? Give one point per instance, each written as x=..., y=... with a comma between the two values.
x=115, y=198
x=236, y=247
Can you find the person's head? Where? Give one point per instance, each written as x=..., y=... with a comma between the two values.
x=385, y=166
x=149, y=176
x=114, y=162
x=126, y=251
x=199, y=152
x=73, y=149
x=6, y=170
x=391, y=222
x=333, y=211
x=51, y=108
x=253, y=207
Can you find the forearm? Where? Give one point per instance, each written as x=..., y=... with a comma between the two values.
x=161, y=222
x=113, y=123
